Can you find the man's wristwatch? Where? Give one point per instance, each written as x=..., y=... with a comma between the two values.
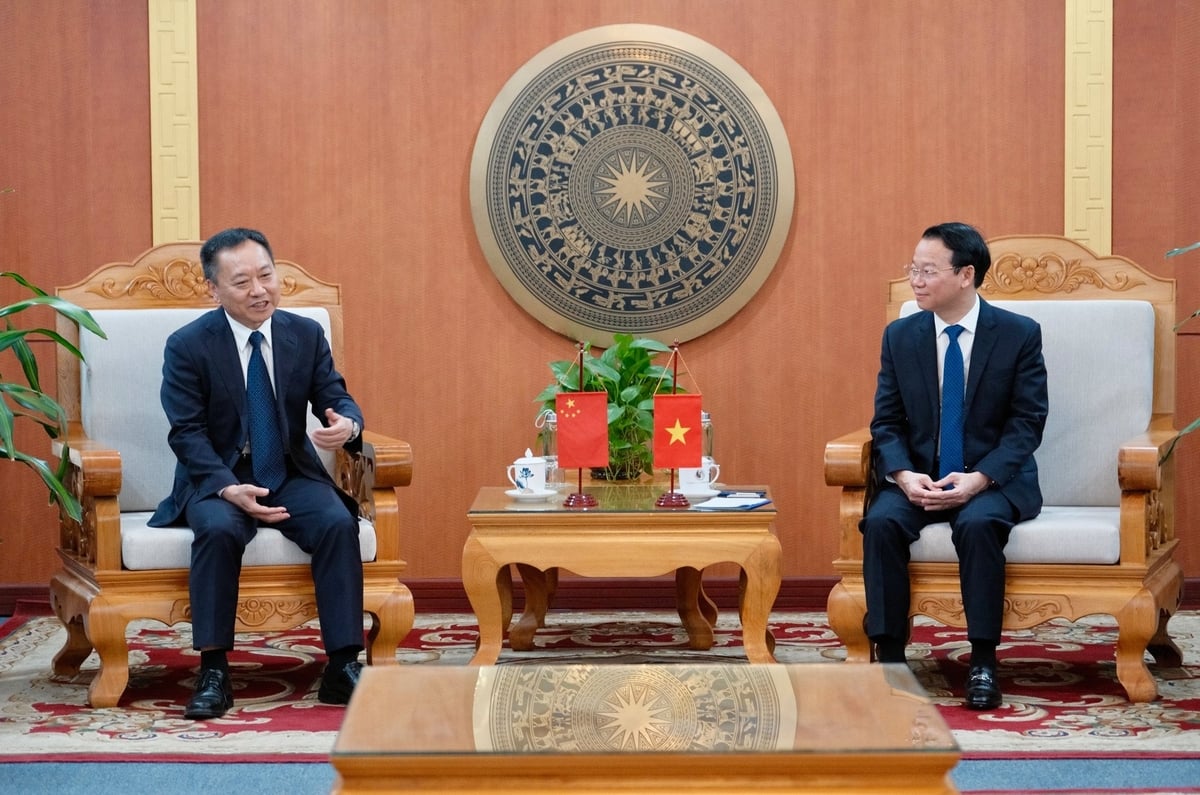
x=354, y=431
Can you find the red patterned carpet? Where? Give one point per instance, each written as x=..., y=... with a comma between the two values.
x=1061, y=694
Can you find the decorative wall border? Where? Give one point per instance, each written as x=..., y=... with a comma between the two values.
x=174, y=126
x=1088, y=131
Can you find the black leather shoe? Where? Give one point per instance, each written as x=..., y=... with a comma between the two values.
x=338, y=684
x=983, y=691
x=213, y=695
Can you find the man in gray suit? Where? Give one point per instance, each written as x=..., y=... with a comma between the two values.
x=981, y=477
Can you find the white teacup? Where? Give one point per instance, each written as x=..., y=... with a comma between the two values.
x=528, y=473
x=701, y=478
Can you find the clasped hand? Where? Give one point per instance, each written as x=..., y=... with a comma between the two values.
x=245, y=495
x=934, y=495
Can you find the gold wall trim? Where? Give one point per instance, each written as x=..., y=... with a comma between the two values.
x=174, y=121
x=1087, y=138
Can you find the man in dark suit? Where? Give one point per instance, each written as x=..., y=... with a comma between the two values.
x=224, y=484
x=976, y=472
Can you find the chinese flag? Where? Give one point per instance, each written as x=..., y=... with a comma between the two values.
x=582, y=429
x=677, y=442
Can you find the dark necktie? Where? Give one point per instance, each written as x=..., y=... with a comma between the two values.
x=951, y=456
x=266, y=443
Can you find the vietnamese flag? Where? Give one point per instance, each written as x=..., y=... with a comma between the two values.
x=582, y=429
x=677, y=442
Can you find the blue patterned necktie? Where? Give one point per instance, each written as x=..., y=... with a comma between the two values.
x=266, y=443
x=950, y=457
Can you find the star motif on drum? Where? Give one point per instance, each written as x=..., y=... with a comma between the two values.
x=647, y=708
x=633, y=192
x=631, y=179
x=639, y=718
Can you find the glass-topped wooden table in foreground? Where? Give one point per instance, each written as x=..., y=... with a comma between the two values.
x=591, y=729
x=625, y=535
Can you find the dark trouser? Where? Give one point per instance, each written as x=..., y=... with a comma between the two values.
x=979, y=530
x=319, y=524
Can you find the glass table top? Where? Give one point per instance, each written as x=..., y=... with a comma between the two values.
x=637, y=497
x=642, y=708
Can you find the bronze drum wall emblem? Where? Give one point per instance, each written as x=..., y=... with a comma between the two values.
x=631, y=179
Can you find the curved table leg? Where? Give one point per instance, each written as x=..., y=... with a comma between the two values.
x=537, y=601
x=489, y=589
x=758, y=587
x=692, y=603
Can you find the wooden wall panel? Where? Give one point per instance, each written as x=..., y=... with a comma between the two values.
x=344, y=130
x=1156, y=190
x=73, y=147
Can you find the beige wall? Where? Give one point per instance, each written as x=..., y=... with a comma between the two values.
x=344, y=130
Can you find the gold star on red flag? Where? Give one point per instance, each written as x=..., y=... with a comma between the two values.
x=677, y=431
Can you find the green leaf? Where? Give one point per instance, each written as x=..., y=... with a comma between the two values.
x=63, y=307
x=6, y=430
x=1175, y=252
x=39, y=404
x=58, y=491
x=648, y=344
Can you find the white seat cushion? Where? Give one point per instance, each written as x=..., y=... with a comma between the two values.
x=1058, y=535
x=144, y=547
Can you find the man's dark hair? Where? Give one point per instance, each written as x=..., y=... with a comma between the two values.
x=967, y=247
x=226, y=239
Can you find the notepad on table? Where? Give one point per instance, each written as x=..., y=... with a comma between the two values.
x=732, y=503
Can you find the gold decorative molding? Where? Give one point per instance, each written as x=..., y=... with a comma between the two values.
x=174, y=122
x=1087, y=137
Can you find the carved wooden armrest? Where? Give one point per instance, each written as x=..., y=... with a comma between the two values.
x=848, y=460
x=1145, y=471
x=372, y=477
x=848, y=465
x=94, y=477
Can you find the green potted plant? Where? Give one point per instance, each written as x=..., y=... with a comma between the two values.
x=1194, y=424
x=627, y=372
x=26, y=399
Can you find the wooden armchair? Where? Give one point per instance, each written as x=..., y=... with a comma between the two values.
x=1105, y=540
x=114, y=567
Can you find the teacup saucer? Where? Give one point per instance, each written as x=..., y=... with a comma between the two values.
x=531, y=496
x=698, y=492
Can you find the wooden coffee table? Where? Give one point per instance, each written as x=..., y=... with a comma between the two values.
x=815, y=728
x=625, y=535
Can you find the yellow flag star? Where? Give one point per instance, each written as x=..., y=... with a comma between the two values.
x=678, y=433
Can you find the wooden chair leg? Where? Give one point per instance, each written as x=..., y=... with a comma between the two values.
x=391, y=621
x=70, y=604
x=1137, y=623
x=106, y=627
x=846, y=617
x=1164, y=650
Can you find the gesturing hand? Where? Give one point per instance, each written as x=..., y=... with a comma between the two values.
x=336, y=434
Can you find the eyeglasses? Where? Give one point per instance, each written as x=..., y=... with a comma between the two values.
x=927, y=273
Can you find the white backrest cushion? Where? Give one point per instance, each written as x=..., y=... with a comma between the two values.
x=1100, y=370
x=120, y=379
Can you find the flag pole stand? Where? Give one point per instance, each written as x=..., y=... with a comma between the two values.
x=672, y=498
x=580, y=501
